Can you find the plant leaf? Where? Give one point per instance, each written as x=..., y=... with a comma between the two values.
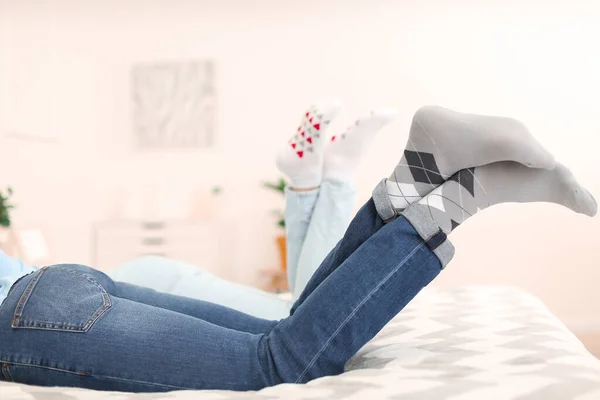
x=278, y=186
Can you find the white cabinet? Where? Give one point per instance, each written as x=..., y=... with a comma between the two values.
x=196, y=243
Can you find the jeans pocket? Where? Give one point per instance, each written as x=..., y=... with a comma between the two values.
x=60, y=299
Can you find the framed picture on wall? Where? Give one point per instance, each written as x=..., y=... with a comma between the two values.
x=174, y=104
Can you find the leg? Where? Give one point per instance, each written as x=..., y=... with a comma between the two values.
x=330, y=219
x=93, y=338
x=331, y=323
x=386, y=271
x=200, y=309
x=333, y=210
x=301, y=160
x=119, y=348
x=299, y=208
x=182, y=279
x=364, y=225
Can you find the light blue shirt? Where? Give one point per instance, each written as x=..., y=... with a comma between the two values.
x=11, y=269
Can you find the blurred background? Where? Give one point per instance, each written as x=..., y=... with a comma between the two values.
x=120, y=117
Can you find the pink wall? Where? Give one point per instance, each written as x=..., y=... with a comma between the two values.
x=64, y=68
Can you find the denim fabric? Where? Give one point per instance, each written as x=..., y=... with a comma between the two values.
x=330, y=218
x=431, y=232
x=315, y=221
x=71, y=325
x=183, y=279
x=360, y=230
x=299, y=207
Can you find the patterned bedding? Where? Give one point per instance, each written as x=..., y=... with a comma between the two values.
x=461, y=344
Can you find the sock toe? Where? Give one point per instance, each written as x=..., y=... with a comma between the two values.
x=575, y=196
x=587, y=203
x=581, y=200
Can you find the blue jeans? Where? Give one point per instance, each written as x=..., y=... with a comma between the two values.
x=315, y=221
x=70, y=325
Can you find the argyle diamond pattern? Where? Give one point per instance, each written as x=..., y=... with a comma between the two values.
x=423, y=167
x=415, y=176
x=465, y=178
x=452, y=203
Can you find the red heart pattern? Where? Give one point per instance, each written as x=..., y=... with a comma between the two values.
x=309, y=132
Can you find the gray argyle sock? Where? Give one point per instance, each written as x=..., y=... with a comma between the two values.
x=474, y=189
x=442, y=142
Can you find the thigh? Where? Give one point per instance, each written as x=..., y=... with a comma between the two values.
x=205, y=310
x=182, y=279
x=61, y=327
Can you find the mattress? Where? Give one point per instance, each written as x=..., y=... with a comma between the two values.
x=460, y=344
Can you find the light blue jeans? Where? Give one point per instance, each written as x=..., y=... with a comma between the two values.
x=315, y=222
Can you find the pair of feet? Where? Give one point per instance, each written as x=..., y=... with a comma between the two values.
x=312, y=155
x=454, y=164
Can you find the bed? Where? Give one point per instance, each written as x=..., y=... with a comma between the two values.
x=460, y=344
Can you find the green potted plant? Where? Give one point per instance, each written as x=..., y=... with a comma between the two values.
x=279, y=186
x=5, y=207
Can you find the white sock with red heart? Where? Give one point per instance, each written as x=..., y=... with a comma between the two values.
x=302, y=159
x=344, y=152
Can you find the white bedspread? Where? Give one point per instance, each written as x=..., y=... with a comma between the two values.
x=469, y=343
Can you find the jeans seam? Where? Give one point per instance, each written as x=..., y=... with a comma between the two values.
x=25, y=297
x=349, y=317
x=6, y=372
x=12, y=289
x=93, y=375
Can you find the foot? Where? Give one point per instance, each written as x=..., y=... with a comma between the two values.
x=442, y=142
x=475, y=189
x=344, y=152
x=302, y=159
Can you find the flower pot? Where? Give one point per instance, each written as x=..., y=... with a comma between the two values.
x=282, y=251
